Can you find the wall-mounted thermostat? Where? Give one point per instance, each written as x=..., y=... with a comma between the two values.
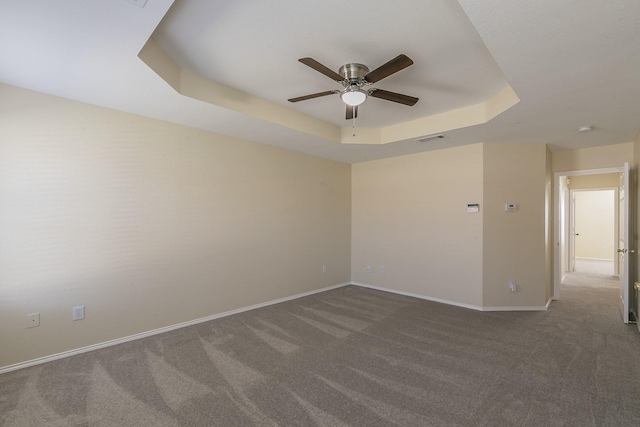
x=473, y=207
x=510, y=207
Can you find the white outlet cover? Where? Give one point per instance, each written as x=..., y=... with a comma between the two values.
x=78, y=312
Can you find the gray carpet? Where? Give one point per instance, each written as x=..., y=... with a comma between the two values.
x=602, y=267
x=353, y=357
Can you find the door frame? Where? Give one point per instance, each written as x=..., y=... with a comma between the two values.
x=557, y=273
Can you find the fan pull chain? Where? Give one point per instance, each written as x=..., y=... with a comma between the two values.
x=353, y=126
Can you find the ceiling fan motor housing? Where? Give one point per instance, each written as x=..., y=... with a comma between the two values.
x=353, y=72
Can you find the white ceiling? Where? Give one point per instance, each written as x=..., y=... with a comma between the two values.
x=571, y=63
x=254, y=45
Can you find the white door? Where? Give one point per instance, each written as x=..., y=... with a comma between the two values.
x=624, y=251
x=572, y=228
x=563, y=228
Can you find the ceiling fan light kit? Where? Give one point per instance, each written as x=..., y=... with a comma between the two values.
x=353, y=97
x=354, y=77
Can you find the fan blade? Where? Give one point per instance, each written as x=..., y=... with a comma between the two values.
x=394, y=96
x=313, y=95
x=396, y=64
x=352, y=112
x=310, y=62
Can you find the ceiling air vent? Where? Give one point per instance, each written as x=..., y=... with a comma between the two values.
x=432, y=138
x=139, y=3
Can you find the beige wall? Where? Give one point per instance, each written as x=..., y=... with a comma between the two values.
x=515, y=244
x=410, y=216
x=605, y=180
x=150, y=224
x=610, y=156
x=595, y=222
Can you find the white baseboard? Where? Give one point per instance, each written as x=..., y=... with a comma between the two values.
x=410, y=294
x=521, y=308
x=455, y=303
x=517, y=308
x=146, y=334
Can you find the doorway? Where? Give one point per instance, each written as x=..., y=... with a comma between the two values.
x=564, y=259
x=593, y=225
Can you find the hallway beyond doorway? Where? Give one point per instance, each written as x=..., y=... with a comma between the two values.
x=592, y=274
x=597, y=266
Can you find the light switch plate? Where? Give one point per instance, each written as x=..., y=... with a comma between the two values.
x=33, y=320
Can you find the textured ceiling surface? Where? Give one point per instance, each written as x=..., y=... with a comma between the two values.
x=254, y=46
x=571, y=63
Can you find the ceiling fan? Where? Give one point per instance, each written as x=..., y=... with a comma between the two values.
x=354, y=78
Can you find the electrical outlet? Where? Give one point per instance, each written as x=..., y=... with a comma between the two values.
x=368, y=268
x=512, y=285
x=382, y=269
x=324, y=269
x=78, y=312
x=33, y=320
